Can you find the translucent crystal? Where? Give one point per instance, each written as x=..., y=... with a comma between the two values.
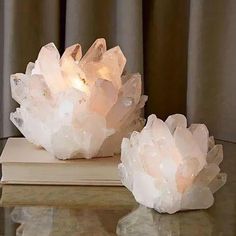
x=29, y=68
x=201, y=135
x=197, y=197
x=48, y=65
x=176, y=120
x=218, y=182
x=18, y=87
x=128, y=101
x=168, y=167
x=211, y=142
x=207, y=174
x=103, y=96
x=215, y=155
x=76, y=106
x=120, y=111
x=95, y=52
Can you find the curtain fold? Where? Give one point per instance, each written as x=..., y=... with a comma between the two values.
x=185, y=50
x=165, y=56
x=212, y=66
x=27, y=25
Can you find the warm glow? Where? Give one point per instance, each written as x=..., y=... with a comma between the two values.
x=80, y=85
x=104, y=72
x=80, y=102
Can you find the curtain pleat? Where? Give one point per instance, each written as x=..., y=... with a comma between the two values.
x=212, y=67
x=27, y=26
x=165, y=56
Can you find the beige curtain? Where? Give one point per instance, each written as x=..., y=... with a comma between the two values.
x=211, y=93
x=165, y=56
x=185, y=49
x=25, y=26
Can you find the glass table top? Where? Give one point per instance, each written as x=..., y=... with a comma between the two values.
x=83, y=210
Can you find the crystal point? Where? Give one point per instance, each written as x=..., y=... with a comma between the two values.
x=215, y=155
x=177, y=120
x=95, y=52
x=217, y=182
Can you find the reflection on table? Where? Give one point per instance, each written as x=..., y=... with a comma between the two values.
x=144, y=221
x=47, y=221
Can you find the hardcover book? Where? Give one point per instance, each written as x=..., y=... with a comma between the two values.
x=24, y=163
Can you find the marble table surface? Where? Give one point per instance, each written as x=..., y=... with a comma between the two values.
x=56, y=210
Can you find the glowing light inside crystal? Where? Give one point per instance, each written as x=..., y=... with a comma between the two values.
x=80, y=85
x=72, y=105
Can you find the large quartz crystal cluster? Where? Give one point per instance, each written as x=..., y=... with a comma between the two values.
x=170, y=167
x=76, y=106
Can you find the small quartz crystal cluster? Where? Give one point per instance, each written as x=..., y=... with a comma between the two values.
x=170, y=167
x=76, y=106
